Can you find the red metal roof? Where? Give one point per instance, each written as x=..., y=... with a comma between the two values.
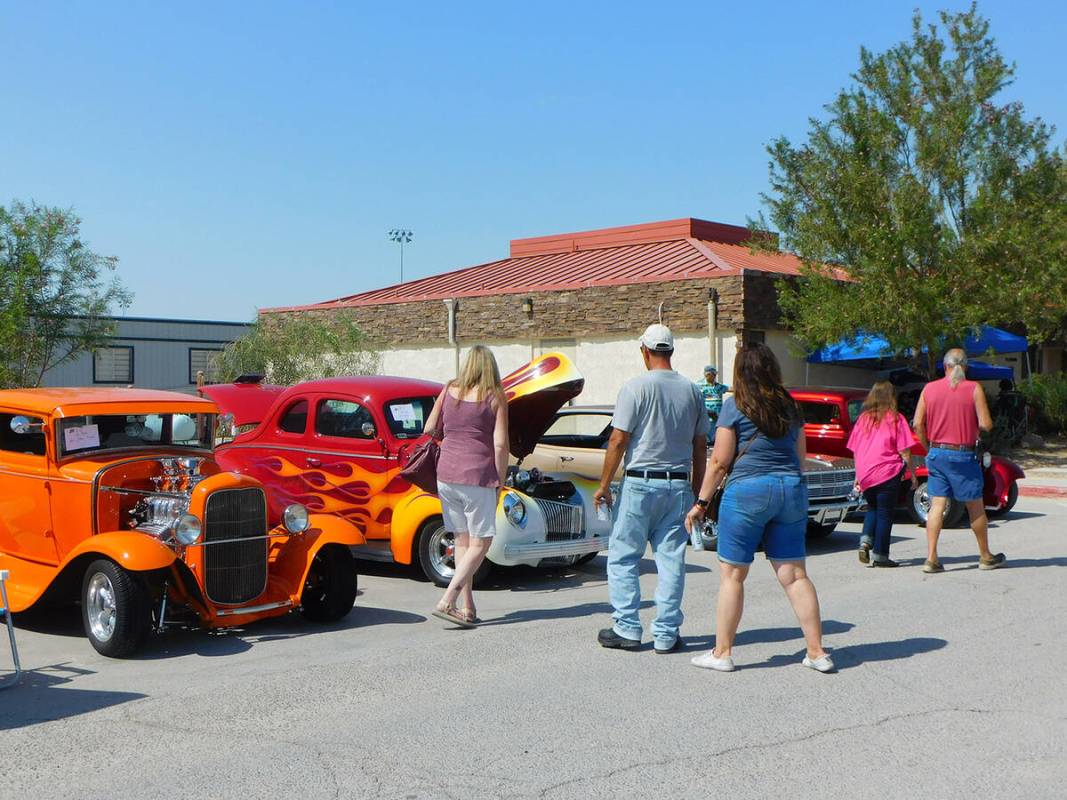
x=674, y=250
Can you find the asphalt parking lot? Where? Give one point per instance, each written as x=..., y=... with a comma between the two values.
x=948, y=686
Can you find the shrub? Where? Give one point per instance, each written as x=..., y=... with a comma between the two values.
x=1047, y=395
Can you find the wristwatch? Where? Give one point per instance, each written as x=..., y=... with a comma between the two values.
x=702, y=502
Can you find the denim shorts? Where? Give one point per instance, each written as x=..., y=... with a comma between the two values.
x=772, y=509
x=954, y=473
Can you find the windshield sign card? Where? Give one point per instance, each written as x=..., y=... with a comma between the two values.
x=81, y=437
x=403, y=412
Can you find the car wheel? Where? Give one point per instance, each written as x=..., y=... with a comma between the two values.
x=116, y=609
x=437, y=554
x=919, y=507
x=817, y=531
x=330, y=588
x=585, y=558
x=1013, y=498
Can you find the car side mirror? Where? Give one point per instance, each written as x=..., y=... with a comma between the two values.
x=368, y=430
x=23, y=425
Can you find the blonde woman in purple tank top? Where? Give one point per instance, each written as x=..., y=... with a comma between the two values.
x=470, y=418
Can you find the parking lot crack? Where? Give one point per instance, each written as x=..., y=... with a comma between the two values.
x=680, y=759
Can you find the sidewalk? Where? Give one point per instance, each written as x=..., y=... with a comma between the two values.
x=1045, y=468
x=1044, y=483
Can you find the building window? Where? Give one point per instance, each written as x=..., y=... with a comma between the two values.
x=113, y=365
x=203, y=360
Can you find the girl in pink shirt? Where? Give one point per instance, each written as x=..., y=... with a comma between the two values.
x=881, y=442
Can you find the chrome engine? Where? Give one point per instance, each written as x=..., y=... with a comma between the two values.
x=157, y=514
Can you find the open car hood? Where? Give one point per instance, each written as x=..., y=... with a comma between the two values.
x=248, y=402
x=535, y=393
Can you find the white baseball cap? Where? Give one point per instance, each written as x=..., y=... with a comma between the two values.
x=658, y=338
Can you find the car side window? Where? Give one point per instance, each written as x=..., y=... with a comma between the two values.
x=579, y=430
x=343, y=418
x=295, y=418
x=820, y=413
x=30, y=443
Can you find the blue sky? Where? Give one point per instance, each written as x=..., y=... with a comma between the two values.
x=240, y=155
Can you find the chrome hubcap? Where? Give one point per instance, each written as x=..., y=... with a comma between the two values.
x=443, y=552
x=100, y=607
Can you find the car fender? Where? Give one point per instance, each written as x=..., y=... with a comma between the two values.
x=999, y=477
x=133, y=551
x=408, y=516
x=295, y=556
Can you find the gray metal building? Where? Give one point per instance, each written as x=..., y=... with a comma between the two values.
x=150, y=353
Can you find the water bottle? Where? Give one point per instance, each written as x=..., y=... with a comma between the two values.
x=696, y=537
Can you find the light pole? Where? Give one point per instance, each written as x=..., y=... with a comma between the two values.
x=401, y=237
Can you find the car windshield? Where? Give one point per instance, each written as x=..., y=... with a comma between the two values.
x=407, y=416
x=98, y=432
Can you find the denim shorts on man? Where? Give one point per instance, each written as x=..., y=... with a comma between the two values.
x=772, y=509
x=955, y=474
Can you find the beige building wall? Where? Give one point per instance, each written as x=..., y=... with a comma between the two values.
x=605, y=363
x=797, y=372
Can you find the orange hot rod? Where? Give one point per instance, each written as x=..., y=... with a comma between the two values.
x=114, y=497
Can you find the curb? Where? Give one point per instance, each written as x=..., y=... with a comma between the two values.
x=1042, y=491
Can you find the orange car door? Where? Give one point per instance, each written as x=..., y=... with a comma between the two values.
x=346, y=454
x=25, y=501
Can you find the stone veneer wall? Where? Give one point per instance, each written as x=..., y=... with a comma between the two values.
x=599, y=311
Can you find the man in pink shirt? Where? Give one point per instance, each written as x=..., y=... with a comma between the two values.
x=947, y=420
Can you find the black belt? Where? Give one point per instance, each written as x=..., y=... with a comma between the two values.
x=966, y=448
x=657, y=474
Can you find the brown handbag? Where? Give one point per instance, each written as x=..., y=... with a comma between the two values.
x=420, y=466
x=712, y=511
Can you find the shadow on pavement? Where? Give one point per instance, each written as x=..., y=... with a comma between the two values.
x=43, y=696
x=854, y=655
x=766, y=635
x=229, y=641
x=566, y=612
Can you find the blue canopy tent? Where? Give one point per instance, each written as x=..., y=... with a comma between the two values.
x=874, y=349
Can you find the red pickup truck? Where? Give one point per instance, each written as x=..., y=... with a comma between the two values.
x=829, y=415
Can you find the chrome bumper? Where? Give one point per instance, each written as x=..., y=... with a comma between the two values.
x=831, y=512
x=570, y=547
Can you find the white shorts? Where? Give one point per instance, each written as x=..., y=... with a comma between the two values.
x=468, y=509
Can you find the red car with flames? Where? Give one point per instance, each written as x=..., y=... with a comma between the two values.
x=830, y=414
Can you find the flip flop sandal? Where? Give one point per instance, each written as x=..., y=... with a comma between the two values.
x=451, y=614
x=469, y=615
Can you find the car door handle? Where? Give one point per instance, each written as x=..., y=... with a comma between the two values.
x=314, y=462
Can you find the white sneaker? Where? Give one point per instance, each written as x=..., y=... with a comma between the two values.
x=709, y=660
x=820, y=664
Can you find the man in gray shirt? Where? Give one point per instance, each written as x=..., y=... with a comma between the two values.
x=661, y=427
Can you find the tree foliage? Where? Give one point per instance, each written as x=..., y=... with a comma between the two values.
x=55, y=293
x=946, y=205
x=288, y=349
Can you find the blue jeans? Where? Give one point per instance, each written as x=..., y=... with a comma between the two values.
x=772, y=509
x=878, y=524
x=650, y=511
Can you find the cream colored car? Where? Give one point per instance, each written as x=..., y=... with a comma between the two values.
x=577, y=440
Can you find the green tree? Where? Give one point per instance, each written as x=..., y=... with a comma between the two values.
x=945, y=205
x=55, y=293
x=288, y=349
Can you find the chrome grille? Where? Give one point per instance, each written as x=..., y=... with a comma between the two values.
x=235, y=571
x=830, y=483
x=563, y=521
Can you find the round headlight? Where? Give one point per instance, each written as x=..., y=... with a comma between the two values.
x=514, y=509
x=188, y=529
x=295, y=518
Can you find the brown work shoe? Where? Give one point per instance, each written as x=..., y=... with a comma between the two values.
x=992, y=562
x=932, y=566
